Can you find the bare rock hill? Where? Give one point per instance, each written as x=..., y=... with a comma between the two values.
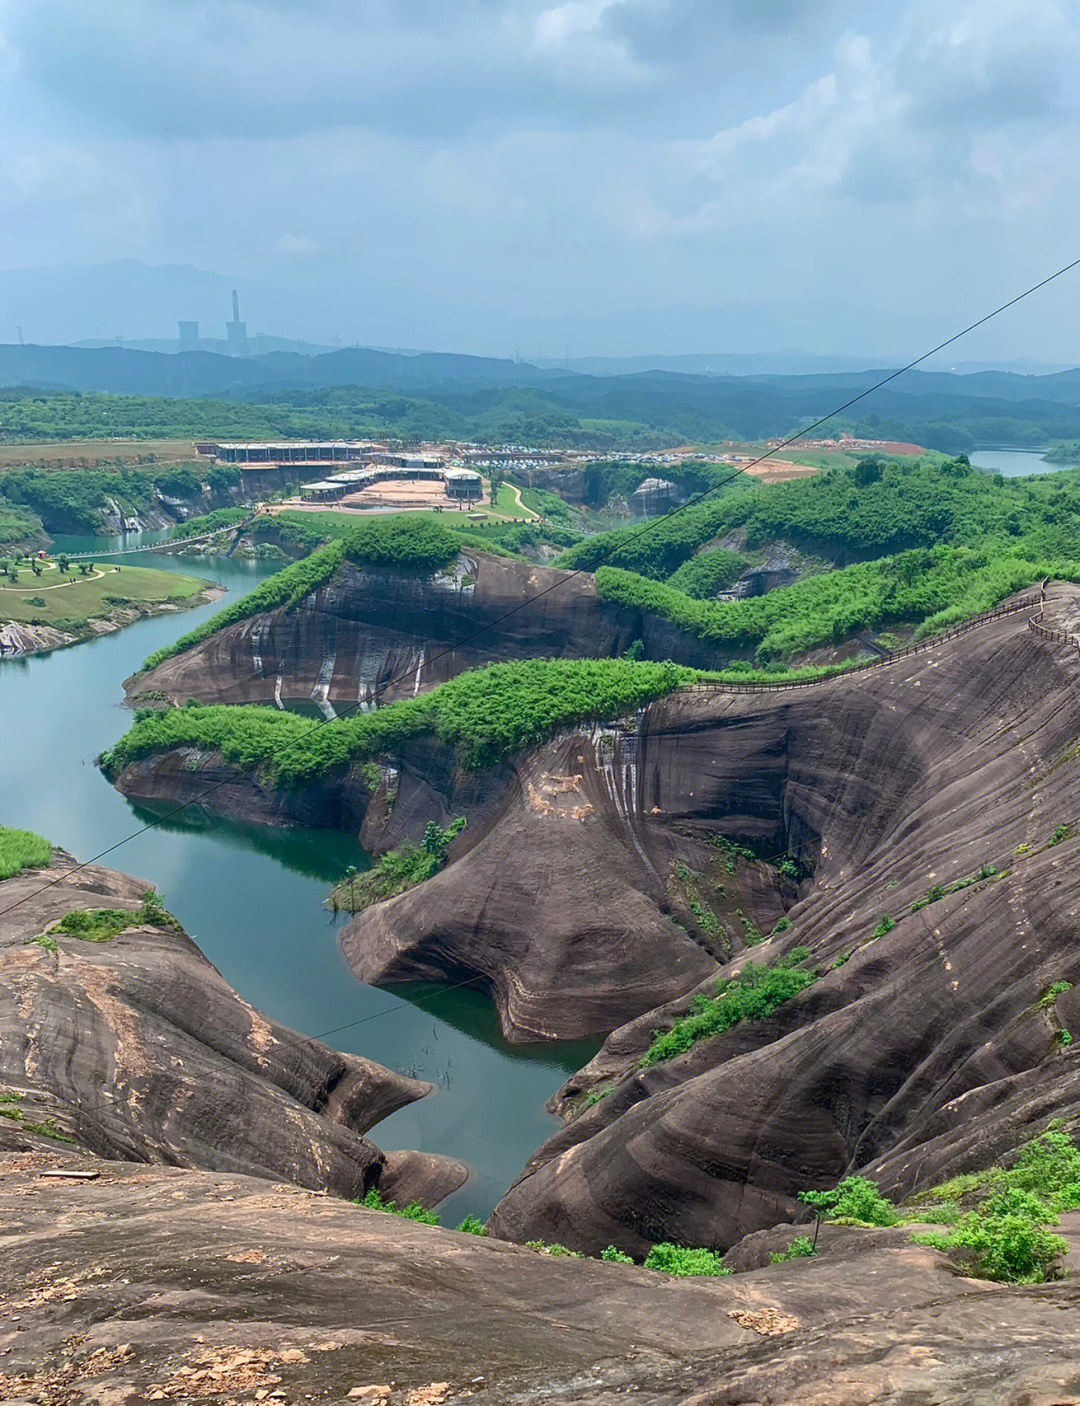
x=368, y=627
x=927, y=1046
x=136, y=1048
x=154, y=1283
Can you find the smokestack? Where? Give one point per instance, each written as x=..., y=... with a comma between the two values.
x=235, y=307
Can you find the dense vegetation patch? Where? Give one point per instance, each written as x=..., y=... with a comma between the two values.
x=22, y=849
x=397, y=870
x=932, y=587
x=708, y=573
x=485, y=713
x=209, y=522
x=914, y=543
x=685, y=1261
x=751, y=995
x=20, y=527
x=103, y=924
x=996, y=1220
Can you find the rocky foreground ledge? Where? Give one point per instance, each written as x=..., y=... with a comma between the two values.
x=136, y=1048
x=158, y=1284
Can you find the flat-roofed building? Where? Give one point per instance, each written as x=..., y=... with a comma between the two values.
x=463, y=483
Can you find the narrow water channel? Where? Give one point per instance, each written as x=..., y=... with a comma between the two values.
x=251, y=897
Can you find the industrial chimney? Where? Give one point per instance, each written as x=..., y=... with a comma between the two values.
x=236, y=331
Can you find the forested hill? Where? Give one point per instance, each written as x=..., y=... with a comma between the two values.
x=358, y=390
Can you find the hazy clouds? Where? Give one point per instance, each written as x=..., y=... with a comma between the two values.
x=616, y=175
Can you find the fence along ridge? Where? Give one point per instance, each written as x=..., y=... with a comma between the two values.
x=1035, y=624
x=973, y=623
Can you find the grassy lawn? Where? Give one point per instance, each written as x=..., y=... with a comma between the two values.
x=509, y=506
x=86, y=598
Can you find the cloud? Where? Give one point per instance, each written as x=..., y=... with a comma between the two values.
x=296, y=244
x=551, y=162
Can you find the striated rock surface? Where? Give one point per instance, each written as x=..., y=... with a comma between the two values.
x=920, y=1052
x=137, y=1048
x=565, y=908
x=153, y=1283
x=368, y=627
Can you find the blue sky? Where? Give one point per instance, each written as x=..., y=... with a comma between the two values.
x=608, y=176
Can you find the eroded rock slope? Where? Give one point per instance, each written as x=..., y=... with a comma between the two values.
x=137, y=1048
x=163, y=1284
x=369, y=628
x=929, y=1047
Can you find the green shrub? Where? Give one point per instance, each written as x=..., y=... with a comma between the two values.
x=1052, y=992
x=95, y=924
x=842, y=959
x=472, y=1225
x=1060, y=832
x=885, y=925
x=615, y=1256
x=485, y=713
x=22, y=849
x=802, y=1247
x=853, y=1199
x=1011, y=1246
x=219, y=519
x=752, y=995
x=708, y=573
x=555, y=1251
x=397, y=870
x=782, y=925
x=413, y=1211
x=679, y=1259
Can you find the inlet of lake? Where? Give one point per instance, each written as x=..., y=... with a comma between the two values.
x=252, y=898
x=1012, y=463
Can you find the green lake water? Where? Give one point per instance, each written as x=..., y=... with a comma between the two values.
x=251, y=897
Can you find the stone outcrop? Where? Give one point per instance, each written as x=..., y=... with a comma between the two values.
x=925, y=1048
x=137, y=1048
x=367, y=628
x=568, y=908
x=154, y=1283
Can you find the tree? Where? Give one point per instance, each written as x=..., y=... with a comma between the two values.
x=63, y=561
x=498, y=478
x=868, y=471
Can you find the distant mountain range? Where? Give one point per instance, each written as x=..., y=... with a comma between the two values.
x=929, y=407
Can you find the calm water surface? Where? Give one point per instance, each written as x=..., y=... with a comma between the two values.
x=1012, y=463
x=251, y=896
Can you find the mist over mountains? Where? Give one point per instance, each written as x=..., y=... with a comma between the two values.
x=941, y=410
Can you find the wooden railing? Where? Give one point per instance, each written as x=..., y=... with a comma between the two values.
x=1011, y=607
x=1044, y=632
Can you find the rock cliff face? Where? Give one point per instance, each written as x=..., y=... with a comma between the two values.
x=919, y=1052
x=563, y=899
x=162, y=1284
x=136, y=1048
x=367, y=627
x=569, y=908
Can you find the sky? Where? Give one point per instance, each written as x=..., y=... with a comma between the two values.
x=586, y=178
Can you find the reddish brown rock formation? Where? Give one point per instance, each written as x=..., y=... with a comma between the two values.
x=137, y=1048
x=931, y=1049
x=367, y=627
x=156, y=1283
